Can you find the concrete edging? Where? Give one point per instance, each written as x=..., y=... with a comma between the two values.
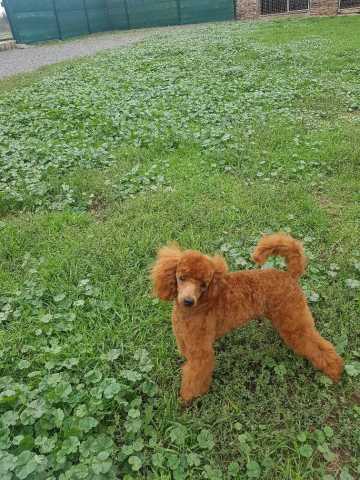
x=7, y=45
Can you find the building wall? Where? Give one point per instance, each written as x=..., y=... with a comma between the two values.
x=250, y=9
x=323, y=7
x=247, y=9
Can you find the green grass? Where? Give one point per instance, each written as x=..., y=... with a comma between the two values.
x=208, y=136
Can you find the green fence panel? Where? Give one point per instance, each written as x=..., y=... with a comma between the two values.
x=196, y=11
x=32, y=20
x=30, y=6
x=118, y=14
x=97, y=15
x=39, y=20
x=72, y=18
x=152, y=13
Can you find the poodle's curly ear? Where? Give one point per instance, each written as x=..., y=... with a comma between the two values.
x=220, y=268
x=163, y=273
x=220, y=265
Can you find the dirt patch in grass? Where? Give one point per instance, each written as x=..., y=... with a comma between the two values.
x=355, y=398
x=97, y=207
x=342, y=457
x=327, y=204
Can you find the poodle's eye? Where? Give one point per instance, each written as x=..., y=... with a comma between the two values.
x=204, y=285
x=181, y=278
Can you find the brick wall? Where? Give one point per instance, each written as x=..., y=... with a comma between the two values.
x=248, y=9
x=323, y=7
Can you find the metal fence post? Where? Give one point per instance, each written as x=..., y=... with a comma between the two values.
x=127, y=12
x=178, y=7
x=57, y=19
x=86, y=15
x=14, y=32
x=108, y=15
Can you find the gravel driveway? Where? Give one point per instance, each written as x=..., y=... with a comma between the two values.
x=34, y=57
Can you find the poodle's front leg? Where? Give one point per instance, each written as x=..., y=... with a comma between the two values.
x=197, y=374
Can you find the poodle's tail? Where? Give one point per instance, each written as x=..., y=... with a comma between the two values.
x=284, y=246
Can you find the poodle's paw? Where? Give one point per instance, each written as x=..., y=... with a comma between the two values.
x=184, y=404
x=334, y=366
x=186, y=397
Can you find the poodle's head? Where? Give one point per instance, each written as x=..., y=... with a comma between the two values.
x=187, y=276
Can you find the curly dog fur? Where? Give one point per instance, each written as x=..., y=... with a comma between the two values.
x=210, y=301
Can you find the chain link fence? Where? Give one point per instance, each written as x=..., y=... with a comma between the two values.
x=271, y=7
x=349, y=3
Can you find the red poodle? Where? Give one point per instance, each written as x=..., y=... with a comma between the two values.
x=210, y=301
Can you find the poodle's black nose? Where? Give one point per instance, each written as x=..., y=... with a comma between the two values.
x=188, y=302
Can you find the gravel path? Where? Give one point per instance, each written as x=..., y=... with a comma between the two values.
x=34, y=57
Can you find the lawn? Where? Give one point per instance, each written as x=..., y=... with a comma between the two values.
x=208, y=136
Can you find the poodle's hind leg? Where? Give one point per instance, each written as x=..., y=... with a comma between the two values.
x=303, y=338
x=197, y=375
